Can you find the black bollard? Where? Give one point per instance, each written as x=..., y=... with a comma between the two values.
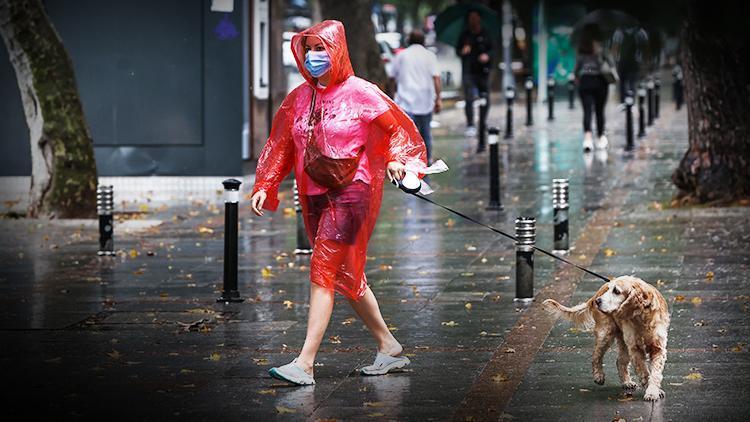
x=629, y=121
x=650, y=99
x=230, y=293
x=641, y=110
x=529, y=85
x=571, y=91
x=104, y=206
x=303, y=243
x=551, y=98
x=677, y=90
x=495, y=204
x=525, y=237
x=482, y=123
x=510, y=94
x=657, y=97
x=560, y=215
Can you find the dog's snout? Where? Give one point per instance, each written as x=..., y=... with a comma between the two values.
x=598, y=301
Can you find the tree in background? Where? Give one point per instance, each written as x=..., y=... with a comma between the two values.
x=360, y=37
x=63, y=177
x=716, y=64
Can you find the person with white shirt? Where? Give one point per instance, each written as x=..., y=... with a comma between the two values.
x=417, y=79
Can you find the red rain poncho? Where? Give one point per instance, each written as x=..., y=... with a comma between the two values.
x=350, y=113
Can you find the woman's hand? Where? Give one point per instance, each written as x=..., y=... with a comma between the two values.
x=257, y=201
x=395, y=171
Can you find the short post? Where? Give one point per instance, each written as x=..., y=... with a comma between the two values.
x=494, y=138
x=551, y=98
x=560, y=216
x=677, y=91
x=482, y=124
x=650, y=95
x=525, y=239
x=571, y=91
x=230, y=293
x=104, y=206
x=641, y=111
x=510, y=94
x=629, y=121
x=529, y=85
x=657, y=97
x=303, y=243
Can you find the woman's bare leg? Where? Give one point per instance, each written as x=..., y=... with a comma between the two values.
x=321, y=307
x=368, y=310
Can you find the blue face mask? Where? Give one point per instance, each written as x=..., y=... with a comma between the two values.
x=317, y=63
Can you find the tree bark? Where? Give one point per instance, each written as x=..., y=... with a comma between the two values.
x=360, y=37
x=716, y=167
x=64, y=177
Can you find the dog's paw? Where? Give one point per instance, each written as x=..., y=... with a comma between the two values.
x=653, y=394
x=629, y=385
x=599, y=379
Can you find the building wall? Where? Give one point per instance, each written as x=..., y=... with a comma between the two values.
x=160, y=82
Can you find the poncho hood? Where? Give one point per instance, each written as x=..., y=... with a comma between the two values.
x=333, y=36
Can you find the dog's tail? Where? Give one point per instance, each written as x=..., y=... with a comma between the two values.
x=580, y=315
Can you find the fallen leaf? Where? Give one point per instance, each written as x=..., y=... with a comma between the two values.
x=500, y=378
x=206, y=230
x=335, y=339
x=373, y=404
x=468, y=274
x=282, y=410
x=693, y=376
x=450, y=223
x=261, y=361
x=376, y=415
x=737, y=348
x=289, y=212
x=509, y=350
x=186, y=371
x=609, y=252
x=696, y=300
x=710, y=276
x=133, y=253
x=266, y=272
x=270, y=391
x=449, y=323
x=348, y=321
x=114, y=354
x=288, y=304
x=215, y=357
x=385, y=267
x=413, y=238
x=679, y=298
x=468, y=306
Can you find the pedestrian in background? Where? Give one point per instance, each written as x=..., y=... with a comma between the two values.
x=416, y=78
x=475, y=49
x=592, y=86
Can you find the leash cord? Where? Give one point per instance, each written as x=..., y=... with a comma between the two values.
x=500, y=232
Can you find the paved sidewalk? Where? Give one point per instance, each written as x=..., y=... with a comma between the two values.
x=140, y=336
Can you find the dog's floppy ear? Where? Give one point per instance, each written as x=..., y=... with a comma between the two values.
x=645, y=297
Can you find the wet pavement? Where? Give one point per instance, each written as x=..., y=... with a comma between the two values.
x=139, y=336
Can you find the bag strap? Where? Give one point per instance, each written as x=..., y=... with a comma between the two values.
x=312, y=108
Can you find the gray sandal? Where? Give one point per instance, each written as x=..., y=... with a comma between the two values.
x=385, y=363
x=292, y=373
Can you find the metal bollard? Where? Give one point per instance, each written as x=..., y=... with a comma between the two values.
x=560, y=215
x=650, y=95
x=482, y=124
x=303, y=243
x=525, y=237
x=510, y=94
x=677, y=89
x=529, y=85
x=551, y=98
x=495, y=204
x=230, y=293
x=571, y=91
x=629, y=121
x=105, y=204
x=641, y=111
x=657, y=97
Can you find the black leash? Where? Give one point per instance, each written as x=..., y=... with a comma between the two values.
x=464, y=216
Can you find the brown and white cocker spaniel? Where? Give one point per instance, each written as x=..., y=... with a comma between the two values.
x=636, y=314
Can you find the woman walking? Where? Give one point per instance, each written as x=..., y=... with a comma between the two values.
x=592, y=86
x=339, y=133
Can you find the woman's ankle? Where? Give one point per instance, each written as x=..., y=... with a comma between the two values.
x=390, y=347
x=305, y=364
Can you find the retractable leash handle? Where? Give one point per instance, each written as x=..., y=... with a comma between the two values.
x=409, y=184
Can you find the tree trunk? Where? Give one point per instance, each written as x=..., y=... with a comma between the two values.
x=360, y=37
x=716, y=167
x=63, y=178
